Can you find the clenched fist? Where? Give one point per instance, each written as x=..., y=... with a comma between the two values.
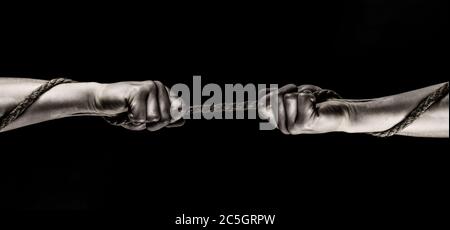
x=148, y=104
x=303, y=109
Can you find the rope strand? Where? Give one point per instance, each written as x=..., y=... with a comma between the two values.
x=12, y=115
x=420, y=109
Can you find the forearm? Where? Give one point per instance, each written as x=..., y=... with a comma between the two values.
x=382, y=113
x=61, y=101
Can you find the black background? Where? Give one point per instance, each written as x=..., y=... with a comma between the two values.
x=82, y=166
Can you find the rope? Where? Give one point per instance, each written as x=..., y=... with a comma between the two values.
x=321, y=95
x=12, y=115
x=420, y=109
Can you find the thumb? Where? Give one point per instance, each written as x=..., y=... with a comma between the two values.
x=177, y=108
x=137, y=111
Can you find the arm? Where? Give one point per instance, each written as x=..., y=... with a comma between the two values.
x=299, y=113
x=145, y=102
x=382, y=113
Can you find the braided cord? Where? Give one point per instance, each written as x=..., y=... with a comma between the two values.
x=420, y=109
x=12, y=115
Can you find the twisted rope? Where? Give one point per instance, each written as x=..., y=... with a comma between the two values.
x=420, y=109
x=12, y=115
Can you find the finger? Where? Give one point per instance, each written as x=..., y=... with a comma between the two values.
x=177, y=109
x=287, y=89
x=177, y=106
x=266, y=105
x=290, y=103
x=138, y=106
x=275, y=92
x=283, y=90
x=305, y=110
x=325, y=94
x=153, y=114
x=157, y=125
x=164, y=103
x=161, y=106
x=172, y=93
x=178, y=123
x=281, y=120
x=134, y=127
x=281, y=113
x=309, y=88
x=263, y=106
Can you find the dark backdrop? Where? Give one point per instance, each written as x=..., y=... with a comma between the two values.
x=360, y=49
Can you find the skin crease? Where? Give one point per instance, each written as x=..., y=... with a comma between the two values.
x=298, y=113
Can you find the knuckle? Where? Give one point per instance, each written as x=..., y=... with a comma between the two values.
x=291, y=85
x=154, y=117
x=158, y=83
x=290, y=96
x=150, y=85
x=309, y=87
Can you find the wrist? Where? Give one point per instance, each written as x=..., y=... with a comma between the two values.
x=108, y=99
x=334, y=115
x=93, y=93
x=371, y=115
x=348, y=116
